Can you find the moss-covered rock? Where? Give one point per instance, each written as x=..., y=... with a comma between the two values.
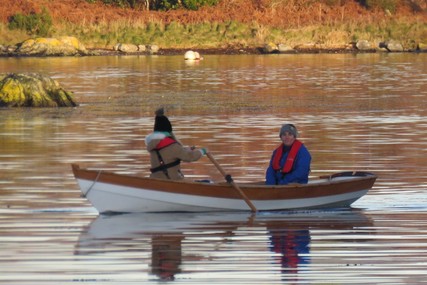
x=63, y=46
x=422, y=47
x=33, y=90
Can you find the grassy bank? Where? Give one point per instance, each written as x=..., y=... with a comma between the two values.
x=228, y=34
x=235, y=34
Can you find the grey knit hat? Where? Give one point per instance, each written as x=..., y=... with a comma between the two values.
x=288, y=128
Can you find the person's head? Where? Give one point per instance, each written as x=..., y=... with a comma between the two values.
x=162, y=123
x=288, y=134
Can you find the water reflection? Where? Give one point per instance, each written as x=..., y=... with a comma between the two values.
x=280, y=84
x=293, y=247
x=166, y=256
x=173, y=244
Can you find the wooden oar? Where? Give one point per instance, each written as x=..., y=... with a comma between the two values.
x=229, y=179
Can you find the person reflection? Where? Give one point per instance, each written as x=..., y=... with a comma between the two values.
x=293, y=246
x=166, y=256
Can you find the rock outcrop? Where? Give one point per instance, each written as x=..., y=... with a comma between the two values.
x=270, y=48
x=422, y=47
x=363, y=45
x=133, y=48
x=33, y=90
x=63, y=46
x=391, y=46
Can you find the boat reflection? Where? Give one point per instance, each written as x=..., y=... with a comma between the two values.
x=165, y=242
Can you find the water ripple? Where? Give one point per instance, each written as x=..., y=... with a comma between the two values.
x=353, y=112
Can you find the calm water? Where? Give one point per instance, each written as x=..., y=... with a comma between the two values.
x=354, y=112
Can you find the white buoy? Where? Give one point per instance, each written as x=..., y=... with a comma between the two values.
x=190, y=55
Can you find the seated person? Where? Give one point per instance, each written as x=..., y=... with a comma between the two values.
x=290, y=162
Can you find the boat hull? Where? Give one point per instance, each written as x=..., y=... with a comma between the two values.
x=110, y=192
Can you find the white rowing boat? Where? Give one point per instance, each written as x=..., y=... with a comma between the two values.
x=111, y=192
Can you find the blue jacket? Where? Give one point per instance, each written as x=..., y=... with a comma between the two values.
x=299, y=172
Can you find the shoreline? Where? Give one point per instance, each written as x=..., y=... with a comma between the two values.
x=247, y=51
x=71, y=46
x=220, y=51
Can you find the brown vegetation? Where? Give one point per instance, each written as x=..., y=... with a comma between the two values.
x=279, y=13
x=331, y=23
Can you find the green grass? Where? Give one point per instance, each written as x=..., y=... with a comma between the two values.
x=211, y=35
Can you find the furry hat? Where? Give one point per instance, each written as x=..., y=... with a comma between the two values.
x=162, y=123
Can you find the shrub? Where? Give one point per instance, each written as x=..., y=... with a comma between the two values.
x=166, y=5
x=34, y=24
x=389, y=5
x=196, y=4
x=160, y=4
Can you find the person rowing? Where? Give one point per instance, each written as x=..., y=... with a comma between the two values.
x=166, y=151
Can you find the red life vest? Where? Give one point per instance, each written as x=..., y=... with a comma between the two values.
x=167, y=141
x=289, y=160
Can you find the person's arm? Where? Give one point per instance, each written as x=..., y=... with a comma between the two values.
x=188, y=154
x=270, y=174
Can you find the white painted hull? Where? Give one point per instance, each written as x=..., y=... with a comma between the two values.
x=115, y=198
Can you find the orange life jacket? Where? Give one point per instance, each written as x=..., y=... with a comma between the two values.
x=289, y=160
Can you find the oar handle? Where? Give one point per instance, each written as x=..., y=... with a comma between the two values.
x=229, y=180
